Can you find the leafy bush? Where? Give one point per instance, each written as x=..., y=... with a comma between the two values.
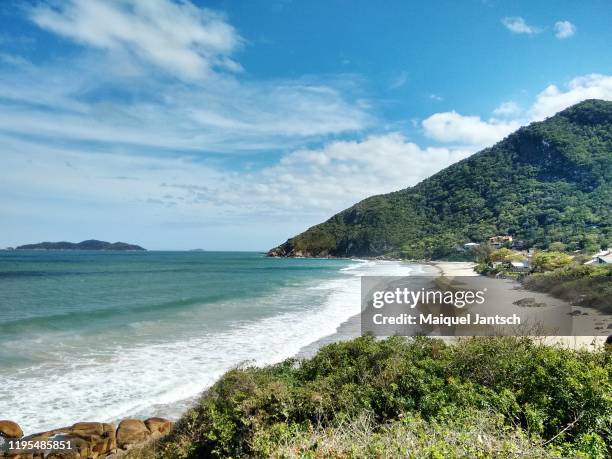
x=480, y=397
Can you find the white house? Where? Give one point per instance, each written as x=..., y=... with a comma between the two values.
x=601, y=258
x=604, y=260
x=522, y=265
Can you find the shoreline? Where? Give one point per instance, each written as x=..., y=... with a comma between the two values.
x=351, y=328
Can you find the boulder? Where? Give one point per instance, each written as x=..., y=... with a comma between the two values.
x=79, y=449
x=100, y=437
x=10, y=429
x=130, y=432
x=158, y=426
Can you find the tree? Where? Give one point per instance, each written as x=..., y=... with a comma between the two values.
x=482, y=253
x=549, y=261
x=557, y=247
x=501, y=254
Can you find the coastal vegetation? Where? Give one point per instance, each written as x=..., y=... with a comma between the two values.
x=581, y=285
x=547, y=183
x=480, y=397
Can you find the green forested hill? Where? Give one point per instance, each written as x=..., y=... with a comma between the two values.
x=550, y=181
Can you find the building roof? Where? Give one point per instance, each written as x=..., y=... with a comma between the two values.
x=519, y=264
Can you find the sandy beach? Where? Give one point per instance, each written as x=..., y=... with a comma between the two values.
x=584, y=318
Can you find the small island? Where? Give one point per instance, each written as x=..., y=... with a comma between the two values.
x=90, y=244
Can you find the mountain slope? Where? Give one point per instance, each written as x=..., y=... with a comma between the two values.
x=549, y=181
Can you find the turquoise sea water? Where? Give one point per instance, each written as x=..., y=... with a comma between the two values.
x=100, y=336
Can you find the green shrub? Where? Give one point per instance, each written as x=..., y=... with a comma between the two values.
x=530, y=397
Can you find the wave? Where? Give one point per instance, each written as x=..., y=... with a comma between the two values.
x=107, y=384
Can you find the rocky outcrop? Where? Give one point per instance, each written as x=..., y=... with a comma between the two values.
x=10, y=429
x=289, y=250
x=87, y=440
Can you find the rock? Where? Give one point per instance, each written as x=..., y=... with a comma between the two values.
x=91, y=428
x=45, y=435
x=10, y=429
x=64, y=455
x=609, y=327
x=131, y=431
x=79, y=449
x=23, y=454
x=158, y=426
x=100, y=437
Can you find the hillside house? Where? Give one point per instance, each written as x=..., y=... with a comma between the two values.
x=601, y=258
x=517, y=266
x=604, y=259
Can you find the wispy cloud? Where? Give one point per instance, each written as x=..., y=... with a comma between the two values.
x=399, y=80
x=517, y=24
x=154, y=74
x=317, y=181
x=564, y=29
x=179, y=38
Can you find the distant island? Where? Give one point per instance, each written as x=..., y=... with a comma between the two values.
x=91, y=244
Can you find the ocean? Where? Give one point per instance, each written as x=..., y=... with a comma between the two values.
x=99, y=336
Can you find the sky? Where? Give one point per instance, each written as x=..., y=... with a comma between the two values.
x=234, y=125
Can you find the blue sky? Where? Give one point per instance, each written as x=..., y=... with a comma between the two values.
x=235, y=125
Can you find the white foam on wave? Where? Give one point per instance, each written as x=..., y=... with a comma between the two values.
x=113, y=383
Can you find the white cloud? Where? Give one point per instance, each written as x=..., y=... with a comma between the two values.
x=553, y=99
x=320, y=182
x=436, y=97
x=564, y=29
x=507, y=109
x=455, y=128
x=179, y=38
x=517, y=24
x=452, y=127
x=344, y=172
